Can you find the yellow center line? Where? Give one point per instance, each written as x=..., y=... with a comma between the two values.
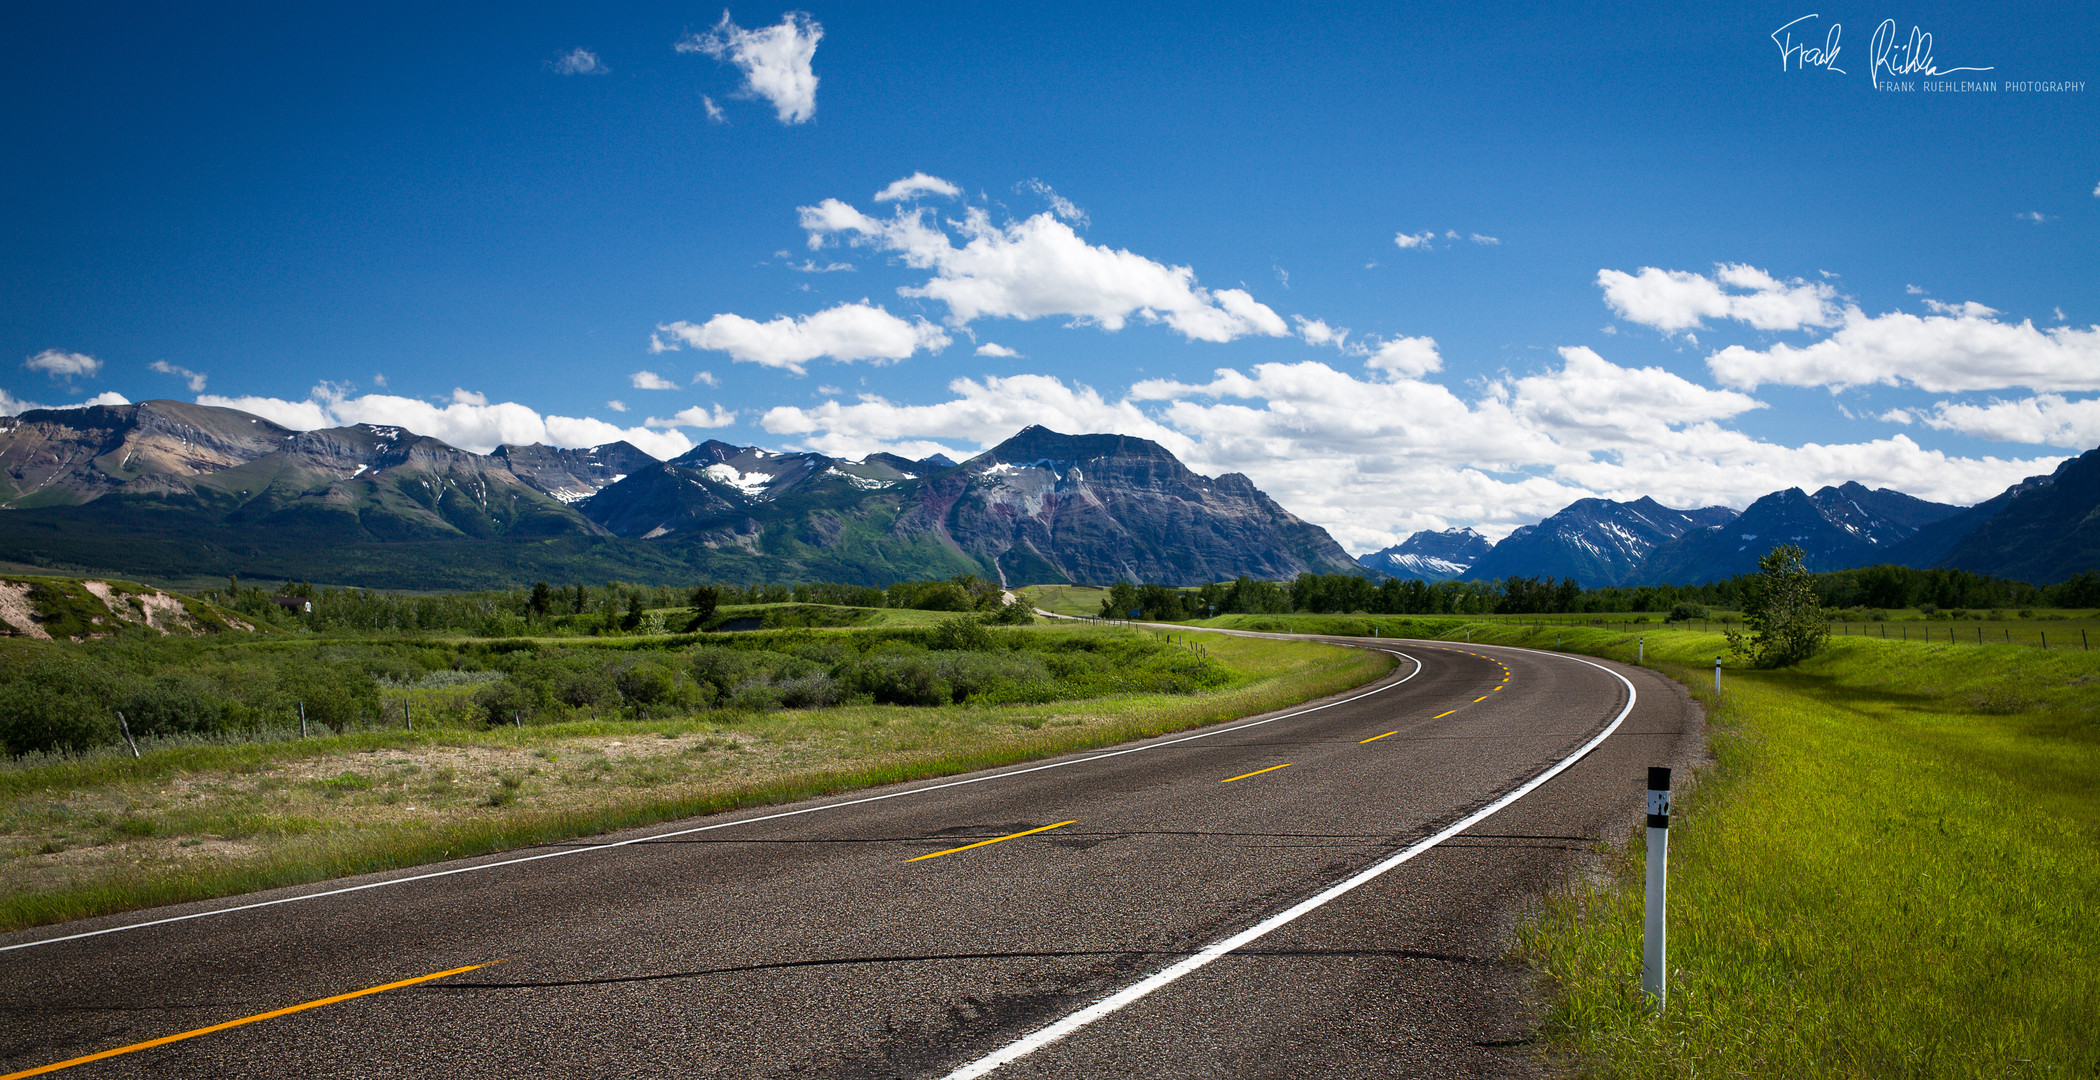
x=1375, y=738
x=166, y=1039
x=980, y=843
x=1441, y=715
x=1256, y=772
x=1480, y=699
x=1496, y=688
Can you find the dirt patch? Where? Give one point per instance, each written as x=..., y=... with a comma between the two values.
x=18, y=613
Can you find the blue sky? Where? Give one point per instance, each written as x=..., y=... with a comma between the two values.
x=1650, y=250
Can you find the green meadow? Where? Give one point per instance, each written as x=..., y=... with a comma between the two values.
x=1890, y=868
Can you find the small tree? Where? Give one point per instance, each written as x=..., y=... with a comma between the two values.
x=542, y=602
x=1786, y=619
x=704, y=600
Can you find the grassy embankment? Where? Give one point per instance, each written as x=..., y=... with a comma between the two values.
x=1892, y=869
x=102, y=832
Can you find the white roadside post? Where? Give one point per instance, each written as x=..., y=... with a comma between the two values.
x=1642, y=656
x=1652, y=952
x=1717, y=676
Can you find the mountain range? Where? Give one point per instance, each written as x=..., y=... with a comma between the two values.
x=174, y=490
x=177, y=491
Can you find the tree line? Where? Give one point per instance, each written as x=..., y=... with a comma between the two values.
x=1865, y=587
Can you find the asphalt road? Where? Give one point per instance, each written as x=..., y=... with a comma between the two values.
x=827, y=944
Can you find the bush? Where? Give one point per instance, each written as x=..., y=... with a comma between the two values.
x=52, y=701
x=334, y=694
x=1686, y=613
x=174, y=703
x=962, y=634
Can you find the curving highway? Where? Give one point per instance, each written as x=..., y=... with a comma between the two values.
x=1184, y=888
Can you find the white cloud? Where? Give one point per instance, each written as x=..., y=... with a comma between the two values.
x=705, y=378
x=378, y=380
x=2034, y=216
x=844, y=333
x=616, y=405
x=775, y=61
x=1317, y=332
x=2060, y=316
x=1408, y=241
x=1060, y=205
x=1406, y=357
x=194, y=379
x=915, y=185
x=1914, y=290
x=579, y=62
x=1676, y=300
x=1372, y=456
x=994, y=349
x=60, y=364
x=1897, y=416
x=809, y=266
x=1964, y=347
x=1039, y=267
x=649, y=380
x=468, y=421
x=1479, y=239
x=982, y=413
x=2043, y=420
x=695, y=417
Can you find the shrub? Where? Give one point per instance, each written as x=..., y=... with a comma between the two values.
x=51, y=701
x=1686, y=612
x=962, y=634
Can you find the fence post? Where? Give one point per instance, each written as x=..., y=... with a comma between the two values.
x=1641, y=657
x=302, y=719
x=1717, y=676
x=1653, y=957
x=408, y=719
x=125, y=727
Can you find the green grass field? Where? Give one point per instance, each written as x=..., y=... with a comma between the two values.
x=98, y=832
x=1891, y=870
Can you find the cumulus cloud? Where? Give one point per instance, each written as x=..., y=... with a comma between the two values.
x=579, y=62
x=695, y=417
x=916, y=185
x=1408, y=241
x=60, y=364
x=469, y=421
x=981, y=413
x=1959, y=348
x=844, y=333
x=2042, y=420
x=1375, y=454
x=649, y=380
x=194, y=379
x=1317, y=332
x=775, y=60
x=616, y=405
x=994, y=349
x=1040, y=268
x=1406, y=357
x=1479, y=239
x=705, y=378
x=1676, y=300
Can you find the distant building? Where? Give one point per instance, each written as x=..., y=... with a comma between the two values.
x=299, y=604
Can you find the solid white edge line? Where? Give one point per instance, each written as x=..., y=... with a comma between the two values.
x=727, y=824
x=1029, y=1044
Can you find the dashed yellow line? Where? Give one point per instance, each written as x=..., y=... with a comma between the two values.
x=1480, y=699
x=1441, y=715
x=978, y=844
x=1256, y=772
x=1375, y=738
x=272, y=1014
